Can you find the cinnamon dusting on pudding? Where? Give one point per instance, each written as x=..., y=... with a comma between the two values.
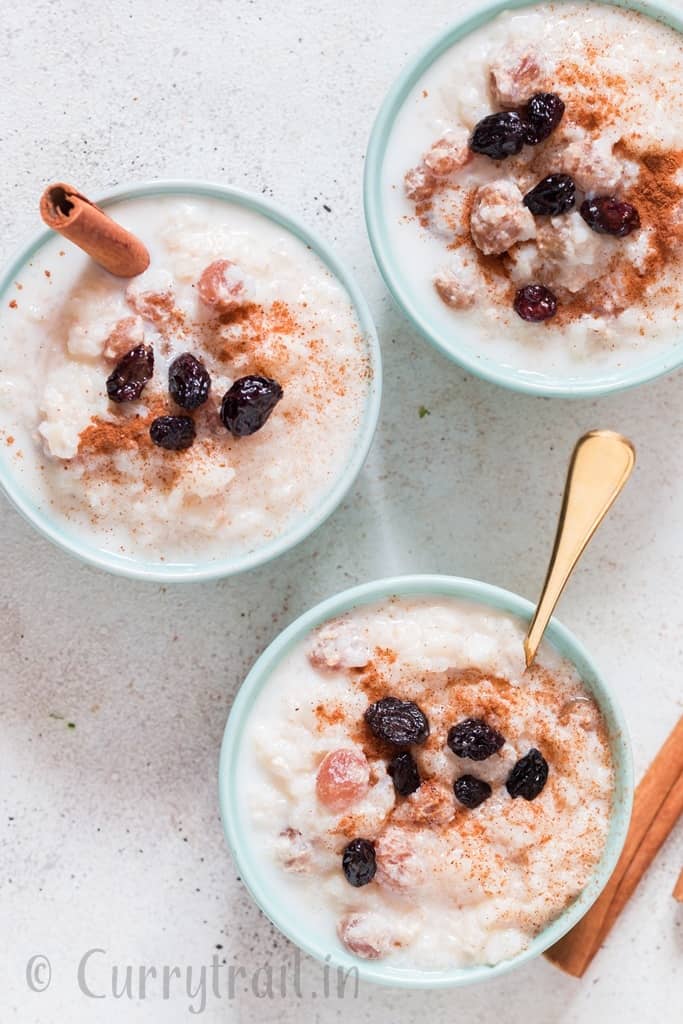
x=258, y=332
x=451, y=697
x=451, y=827
x=122, y=433
x=103, y=442
x=597, y=143
x=224, y=495
x=260, y=344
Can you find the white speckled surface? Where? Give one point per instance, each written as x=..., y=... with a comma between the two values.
x=109, y=832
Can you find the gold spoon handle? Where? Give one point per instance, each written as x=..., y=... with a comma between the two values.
x=600, y=466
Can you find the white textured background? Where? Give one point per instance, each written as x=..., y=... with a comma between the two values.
x=109, y=832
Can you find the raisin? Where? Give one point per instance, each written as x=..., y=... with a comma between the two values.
x=188, y=382
x=358, y=862
x=554, y=195
x=542, y=115
x=248, y=404
x=535, y=303
x=173, y=432
x=529, y=776
x=470, y=791
x=129, y=376
x=397, y=721
x=404, y=771
x=474, y=739
x=608, y=216
x=498, y=135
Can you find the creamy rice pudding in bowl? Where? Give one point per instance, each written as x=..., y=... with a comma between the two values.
x=402, y=797
x=524, y=195
x=200, y=418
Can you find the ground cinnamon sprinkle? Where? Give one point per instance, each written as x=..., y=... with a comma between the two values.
x=657, y=196
x=373, y=682
x=281, y=320
x=269, y=340
x=107, y=437
x=104, y=439
x=492, y=268
x=253, y=329
x=329, y=715
x=597, y=97
x=598, y=100
x=458, y=694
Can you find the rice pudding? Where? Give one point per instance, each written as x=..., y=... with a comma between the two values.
x=533, y=188
x=414, y=794
x=195, y=412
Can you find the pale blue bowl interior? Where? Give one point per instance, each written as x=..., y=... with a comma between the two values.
x=263, y=885
x=138, y=568
x=463, y=344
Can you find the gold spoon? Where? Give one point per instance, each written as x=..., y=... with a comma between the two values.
x=600, y=466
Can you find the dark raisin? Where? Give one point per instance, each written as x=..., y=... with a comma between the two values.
x=188, y=382
x=608, y=216
x=471, y=791
x=358, y=862
x=397, y=721
x=127, y=380
x=403, y=770
x=535, y=303
x=529, y=775
x=474, y=739
x=249, y=403
x=542, y=115
x=498, y=135
x=173, y=432
x=554, y=195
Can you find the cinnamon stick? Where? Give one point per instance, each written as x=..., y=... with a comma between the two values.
x=67, y=211
x=669, y=813
x=657, y=806
x=678, y=889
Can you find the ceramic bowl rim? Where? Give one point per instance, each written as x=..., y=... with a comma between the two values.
x=140, y=568
x=461, y=348
x=418, y=585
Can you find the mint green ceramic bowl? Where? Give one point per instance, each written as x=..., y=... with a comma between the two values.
x=463, y=345
x=137, y=568
x=263, y=884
